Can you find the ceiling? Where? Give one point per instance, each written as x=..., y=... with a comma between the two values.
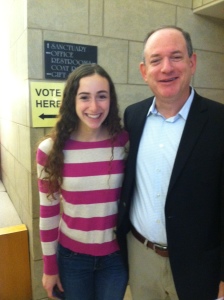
x=215, y=9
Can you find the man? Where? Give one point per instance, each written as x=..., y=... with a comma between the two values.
x=173, y=192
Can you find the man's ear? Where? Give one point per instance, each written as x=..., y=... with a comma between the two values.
x=142, y=69
x=193, y=63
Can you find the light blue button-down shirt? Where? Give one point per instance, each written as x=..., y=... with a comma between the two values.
x=155, y=160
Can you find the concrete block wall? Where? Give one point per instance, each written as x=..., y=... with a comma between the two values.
x=118, y=29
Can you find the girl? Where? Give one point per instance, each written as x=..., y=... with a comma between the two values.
x=81, y=165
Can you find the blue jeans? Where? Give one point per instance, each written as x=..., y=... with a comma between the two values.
x=86, y=277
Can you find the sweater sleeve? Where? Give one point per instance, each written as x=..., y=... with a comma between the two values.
x=49, y=213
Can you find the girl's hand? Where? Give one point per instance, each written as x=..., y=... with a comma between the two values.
x=49, y=281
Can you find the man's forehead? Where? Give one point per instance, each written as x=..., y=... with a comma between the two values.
x=155, y=54
x=166, y=38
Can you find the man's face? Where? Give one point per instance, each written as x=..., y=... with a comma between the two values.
x=168, y=68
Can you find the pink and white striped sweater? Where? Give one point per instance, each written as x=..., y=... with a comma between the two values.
x=89, y=195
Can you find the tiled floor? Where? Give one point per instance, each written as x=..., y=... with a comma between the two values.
x=128, y=294
x=8, y=213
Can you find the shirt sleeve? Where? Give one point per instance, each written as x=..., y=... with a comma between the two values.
x=49, y=212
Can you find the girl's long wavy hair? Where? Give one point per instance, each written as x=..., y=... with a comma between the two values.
x=68, y=121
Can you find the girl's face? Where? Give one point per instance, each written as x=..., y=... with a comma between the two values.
x=92, y=102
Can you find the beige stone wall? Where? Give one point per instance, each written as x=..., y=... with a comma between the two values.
x=211, y=8
x=201, y=3
x=117, y=28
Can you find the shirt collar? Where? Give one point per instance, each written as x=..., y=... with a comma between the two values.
x=183, y=111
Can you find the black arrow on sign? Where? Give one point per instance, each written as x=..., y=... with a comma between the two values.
x=43, y=116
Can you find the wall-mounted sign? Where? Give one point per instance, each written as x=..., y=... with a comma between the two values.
x=45, y=99
x=62, y=58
